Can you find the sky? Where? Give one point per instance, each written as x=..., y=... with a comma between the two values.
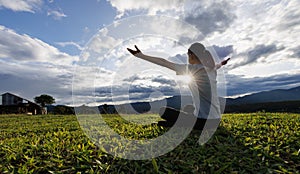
x=76, y=52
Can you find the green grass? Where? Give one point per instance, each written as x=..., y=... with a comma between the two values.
x=243, y=143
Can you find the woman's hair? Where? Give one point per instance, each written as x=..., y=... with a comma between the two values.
x=202, y=54
x=197, y=48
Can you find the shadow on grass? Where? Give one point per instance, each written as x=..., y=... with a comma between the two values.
x=223, y=153
x=248, y=144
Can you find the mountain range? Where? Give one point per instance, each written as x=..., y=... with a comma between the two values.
x=286, y=98
x=278, y=95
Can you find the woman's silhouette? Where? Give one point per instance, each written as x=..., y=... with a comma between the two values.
x=202, y=67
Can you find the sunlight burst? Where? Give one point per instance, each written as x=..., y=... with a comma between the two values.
x=186, y=79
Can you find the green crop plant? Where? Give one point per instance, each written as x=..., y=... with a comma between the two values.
x=243, y=143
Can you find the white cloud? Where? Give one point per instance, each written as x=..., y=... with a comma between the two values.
x=86, y=30
x=117, y=66
x=262, y=35
x=152, y=7
x=30, y=67
x=25, y=48
x=30, y=79
x=57, y=15
x=21, y=5
x=65, y=44
x=209, y=16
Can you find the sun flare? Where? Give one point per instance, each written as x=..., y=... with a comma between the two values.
x=186, y=79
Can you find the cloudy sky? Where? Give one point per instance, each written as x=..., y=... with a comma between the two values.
x=64, y=47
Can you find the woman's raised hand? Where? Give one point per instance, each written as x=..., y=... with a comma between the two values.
x=224, y=62
x=134, y=52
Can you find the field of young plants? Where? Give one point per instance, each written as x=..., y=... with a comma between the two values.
x=243, y=143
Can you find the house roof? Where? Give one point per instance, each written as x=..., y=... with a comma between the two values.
x=21, y=98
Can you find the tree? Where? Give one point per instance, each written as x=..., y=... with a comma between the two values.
x=44, y=99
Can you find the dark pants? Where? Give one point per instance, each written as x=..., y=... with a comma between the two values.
x=170, y=115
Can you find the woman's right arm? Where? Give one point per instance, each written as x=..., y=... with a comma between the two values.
x=155, y=60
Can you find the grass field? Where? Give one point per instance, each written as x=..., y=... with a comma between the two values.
x=243, y=143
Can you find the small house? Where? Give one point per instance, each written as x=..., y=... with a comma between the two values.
x=13, y=104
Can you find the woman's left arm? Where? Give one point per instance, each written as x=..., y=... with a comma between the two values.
x=219, y=65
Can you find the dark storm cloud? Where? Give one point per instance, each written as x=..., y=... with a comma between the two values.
x=132, y=78
x=256, y=53
x=238, y=85
x=140, y=89
x=164, y=81
x=140, y=93
x=261, y=50
x=28, y=88
x=296, y=51
x=132, y=94
x=223, y=51
x=165, y=89
x=179, y=58
x=216, y=16
x=133, y=91
x=159, y=79
x=290, y=19
x=104, y=91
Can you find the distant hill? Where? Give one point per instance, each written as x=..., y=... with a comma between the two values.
x=284, y=106
x=278, y=95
